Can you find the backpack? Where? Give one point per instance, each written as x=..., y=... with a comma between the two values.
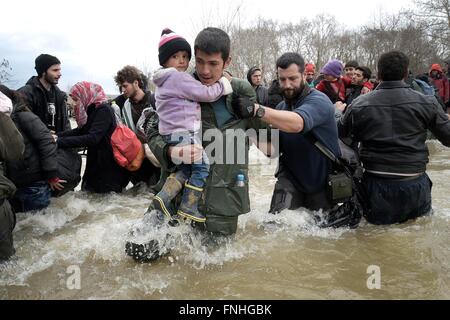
x=69, y=169
x=127, y=149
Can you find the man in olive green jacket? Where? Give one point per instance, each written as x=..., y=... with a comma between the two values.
x=11, y=149
x=222, y=201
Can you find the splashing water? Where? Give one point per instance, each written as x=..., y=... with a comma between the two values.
x=284, y=256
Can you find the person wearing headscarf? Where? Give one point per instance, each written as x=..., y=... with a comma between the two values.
x=96, y=123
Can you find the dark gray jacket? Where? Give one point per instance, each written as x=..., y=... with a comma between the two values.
x=391, y=123
x=39, y=160
x=262, y=95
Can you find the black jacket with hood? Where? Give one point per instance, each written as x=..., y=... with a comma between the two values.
x=262, y=94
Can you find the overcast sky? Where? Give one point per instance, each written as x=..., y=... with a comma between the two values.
x=95, y=38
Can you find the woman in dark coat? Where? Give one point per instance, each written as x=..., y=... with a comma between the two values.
x=96, y=123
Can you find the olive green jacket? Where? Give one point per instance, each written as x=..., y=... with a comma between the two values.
x=11, y=141
x=11, y=149
x=222, y=202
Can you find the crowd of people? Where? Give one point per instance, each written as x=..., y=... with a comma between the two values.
x=383, y=118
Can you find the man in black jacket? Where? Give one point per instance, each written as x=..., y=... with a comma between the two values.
x=44, y=97
x=391, y=124
x=360, y=84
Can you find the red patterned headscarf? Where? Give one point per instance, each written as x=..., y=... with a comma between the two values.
x=87, y=93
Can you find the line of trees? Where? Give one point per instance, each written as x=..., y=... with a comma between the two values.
x=423, y=33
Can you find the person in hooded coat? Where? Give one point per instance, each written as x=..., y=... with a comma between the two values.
x=254, y=76
x=440, y=82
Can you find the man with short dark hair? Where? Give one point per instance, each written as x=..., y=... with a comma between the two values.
x=133, y=84
x=44, y=97
x=254, y=76
x=350, y=68
x=303, y=169
x=391, y=125
x=360, y=83
x=222, y=202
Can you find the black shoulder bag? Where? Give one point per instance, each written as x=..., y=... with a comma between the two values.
x=343, y=186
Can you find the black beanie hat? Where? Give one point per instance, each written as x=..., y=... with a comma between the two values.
x=170, y=44
x=43, y=62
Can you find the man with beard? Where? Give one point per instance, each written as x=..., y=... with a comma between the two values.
x=133, y=84
x=44, y=97
x=134, y=88
x=303, y=169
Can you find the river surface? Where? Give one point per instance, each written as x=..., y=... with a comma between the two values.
x=76, y=251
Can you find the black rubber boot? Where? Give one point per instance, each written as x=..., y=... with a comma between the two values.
x=143, y=252
x=189, y=203
x=148, y=251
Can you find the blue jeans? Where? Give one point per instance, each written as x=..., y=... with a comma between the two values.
x=196, y=172
x=33, y=197
x=396, y=200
